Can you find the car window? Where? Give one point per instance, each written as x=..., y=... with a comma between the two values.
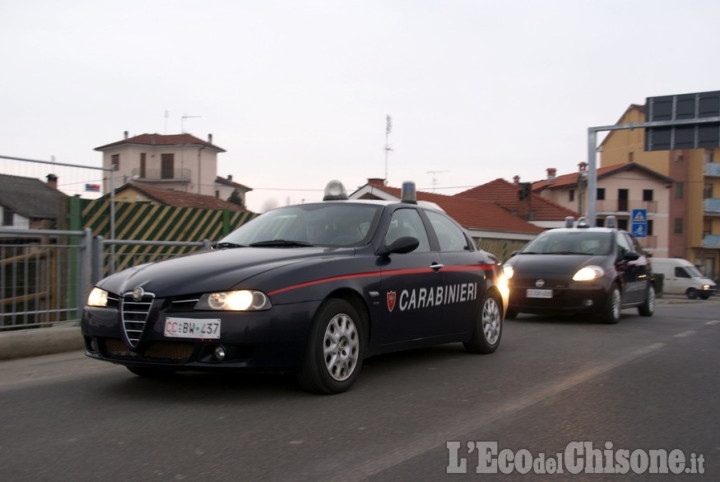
x=327, y=224
x=450, y=236
x=571, y=242
x=680, y=272
x=624, y=245
x=407, y=222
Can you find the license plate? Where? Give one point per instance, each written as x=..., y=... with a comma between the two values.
x=532, y=293
x=191, y=328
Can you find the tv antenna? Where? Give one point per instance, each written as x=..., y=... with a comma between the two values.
x=434, y=178
x=182, y=122
x=388, y=130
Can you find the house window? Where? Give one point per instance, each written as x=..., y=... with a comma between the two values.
x=647, y=194
x=571, y=195
x=143, y=164
x=678, y=226
x=167, y=167
x=622, y=224
x=8, y=217
x=622, y=200
x=631, y=156
x=650, y=227
x=601, y=194
x=115, y=162
x=679, y=190
x=708, y=191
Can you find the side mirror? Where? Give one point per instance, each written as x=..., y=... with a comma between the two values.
x=404, y=244
x=631, y=256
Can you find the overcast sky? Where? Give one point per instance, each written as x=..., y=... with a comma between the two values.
x=297, y=91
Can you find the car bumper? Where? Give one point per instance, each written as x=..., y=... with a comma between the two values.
x=563, y=300
x=273, y=339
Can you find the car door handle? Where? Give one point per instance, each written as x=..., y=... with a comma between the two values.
x=436, y=266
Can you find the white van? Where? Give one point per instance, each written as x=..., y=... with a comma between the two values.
x=682, y=278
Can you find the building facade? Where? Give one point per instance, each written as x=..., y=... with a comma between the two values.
x=694, y=210
x=178, y=162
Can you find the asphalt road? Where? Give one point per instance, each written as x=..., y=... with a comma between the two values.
x=644, y=384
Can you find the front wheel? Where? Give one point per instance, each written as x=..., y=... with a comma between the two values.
x=335, y=349
x=611, y=310
x=692, y=293
x=648, y=306
x=488, y=326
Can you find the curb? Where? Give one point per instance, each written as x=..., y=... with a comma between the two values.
x=40, y=341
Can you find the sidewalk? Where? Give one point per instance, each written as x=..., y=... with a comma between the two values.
x=39, y=341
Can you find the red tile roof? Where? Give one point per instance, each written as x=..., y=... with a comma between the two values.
x=182, y=199
x=567, y=180
x=470, y=213
x=161, y=140
x=505, y=194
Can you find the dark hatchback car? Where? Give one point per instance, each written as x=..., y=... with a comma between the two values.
x=597, y=271
x=312, y=289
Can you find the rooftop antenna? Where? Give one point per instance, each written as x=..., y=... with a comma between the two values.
x=166, y=119
x=182, y=123
x=388, y=129
x=434, y=178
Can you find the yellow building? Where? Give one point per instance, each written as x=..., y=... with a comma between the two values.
x=694, y=213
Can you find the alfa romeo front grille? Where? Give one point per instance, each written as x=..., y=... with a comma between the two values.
x=134, y=313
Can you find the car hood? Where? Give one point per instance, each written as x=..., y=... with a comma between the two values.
x=209, y=271
x=553, y=264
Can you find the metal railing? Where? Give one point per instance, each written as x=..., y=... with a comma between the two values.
x=46, y=275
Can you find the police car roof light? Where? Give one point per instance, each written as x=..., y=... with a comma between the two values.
x=610, y=222
x=408, y=193
x=335, y=191
x=583, y=223
x=569, y=221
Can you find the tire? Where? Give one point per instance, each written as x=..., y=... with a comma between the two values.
x=488, y=326
x=692, y=293
x=648, y=307
x=611, y=310
x=335, y=349
x=704, y=297
x=151, y=372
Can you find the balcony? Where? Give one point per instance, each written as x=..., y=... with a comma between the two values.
x=711, y=206
x=712, y=169
x=162, y=175
x=614, y=206
x=711, y=241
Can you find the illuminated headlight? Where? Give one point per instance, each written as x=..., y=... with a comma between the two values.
x=588, y=273
x=705, y=287
x=97, y=297
x=504, y=280
x=241, y=300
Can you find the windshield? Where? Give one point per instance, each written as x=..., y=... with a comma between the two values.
x=571, y=242
x=694, y=272
x=327, y=224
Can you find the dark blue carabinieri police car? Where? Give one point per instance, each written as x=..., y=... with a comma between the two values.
x=312, y=288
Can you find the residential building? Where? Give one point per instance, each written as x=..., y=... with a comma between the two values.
x=518, y=199
x=140, y=193
x=694, y=211
x=177, y=162
x=621, y=188
x=29, y=203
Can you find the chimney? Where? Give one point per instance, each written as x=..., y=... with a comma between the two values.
x=516, y=180
x=210, y=138
x=229, y=175
x=582, y=167
x=126, y=134
x=52, y=181
x=551, y=174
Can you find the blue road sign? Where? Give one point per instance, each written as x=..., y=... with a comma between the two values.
x=639, y=223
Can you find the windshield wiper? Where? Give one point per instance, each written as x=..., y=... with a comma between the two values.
x=279, y=243
x=226, y=244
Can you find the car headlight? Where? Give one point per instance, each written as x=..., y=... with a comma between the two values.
x=588, y=273
x=508, y=271
x=97, y=297
x=240, y=300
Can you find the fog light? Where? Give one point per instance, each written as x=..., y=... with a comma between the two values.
x=587, y=303
x=219, y=353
